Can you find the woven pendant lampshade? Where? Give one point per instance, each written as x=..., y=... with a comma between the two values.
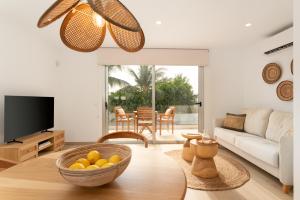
x=116, y=13
x=58, y=9
x=127, y=40
x=84, y=29
x=81, y=30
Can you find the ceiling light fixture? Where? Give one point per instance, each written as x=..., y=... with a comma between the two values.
x=158, y=22
x=84, y=27
x=248, y=25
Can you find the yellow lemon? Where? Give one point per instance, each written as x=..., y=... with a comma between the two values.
x=93, y=156
x=115, y=159
x=83, y=161
x=91, y=167
x=77, y=166
x=101, y=162
x=107, y=165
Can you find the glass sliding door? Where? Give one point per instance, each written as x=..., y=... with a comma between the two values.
x=129, y=87
x=178, y=99
x=174, y=105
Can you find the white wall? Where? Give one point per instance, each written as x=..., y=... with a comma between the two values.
x=233, y=79
x=27, y=64
x=79, y=96
x=223, y=90
x=296, y=100
x=257, y=93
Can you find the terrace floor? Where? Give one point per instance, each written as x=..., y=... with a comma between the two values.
x=166, y=136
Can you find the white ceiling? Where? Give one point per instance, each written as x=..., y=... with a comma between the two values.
x=185, y=23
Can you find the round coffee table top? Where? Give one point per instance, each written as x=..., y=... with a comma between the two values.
x=150, y=175
x=192, y=136
x=206, y=148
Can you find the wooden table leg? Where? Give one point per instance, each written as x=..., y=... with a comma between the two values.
x=187, y=153
x=204, y=168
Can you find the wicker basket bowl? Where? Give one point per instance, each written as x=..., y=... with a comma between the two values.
x=97, y=177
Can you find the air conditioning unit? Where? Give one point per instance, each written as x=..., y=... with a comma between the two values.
x=279, y=41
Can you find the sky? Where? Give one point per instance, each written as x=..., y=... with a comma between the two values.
x=191, y=72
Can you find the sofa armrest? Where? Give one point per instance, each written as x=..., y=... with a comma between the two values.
x=218, y=122
x=286, y=160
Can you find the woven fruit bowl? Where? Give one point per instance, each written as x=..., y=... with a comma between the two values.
x=95, y=177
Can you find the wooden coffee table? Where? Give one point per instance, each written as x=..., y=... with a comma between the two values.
x=187, y=153
x=203, y=163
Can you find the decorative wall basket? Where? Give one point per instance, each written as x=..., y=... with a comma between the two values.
x=58, y=9
x=127, y=40
x=271, y=73
x=292, y=67
x=116, y=13
x=285, y=91
x=79, y=31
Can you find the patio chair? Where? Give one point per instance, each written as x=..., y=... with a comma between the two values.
x=122, y=117
x=144, y=119
x=4, y=164
x=124, y=134
x=167, y=118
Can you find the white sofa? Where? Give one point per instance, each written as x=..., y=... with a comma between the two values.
x=267, y=142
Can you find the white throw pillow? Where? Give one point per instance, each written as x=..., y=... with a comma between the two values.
x=280, y=124
x=257, y=121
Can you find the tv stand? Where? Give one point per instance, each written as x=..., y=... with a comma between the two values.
x=32, y=146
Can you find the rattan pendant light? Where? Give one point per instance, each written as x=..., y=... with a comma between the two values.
x=128, y=40
x=83, y=29
x=80, y=30
x=116, y=13
x=58, y=9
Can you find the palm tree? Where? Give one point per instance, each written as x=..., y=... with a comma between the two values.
x=113, y=81
x=143, y=77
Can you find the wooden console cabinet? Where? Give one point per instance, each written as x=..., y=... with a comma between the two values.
x=19, y=152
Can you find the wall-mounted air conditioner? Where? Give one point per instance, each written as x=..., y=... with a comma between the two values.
x=279, y=41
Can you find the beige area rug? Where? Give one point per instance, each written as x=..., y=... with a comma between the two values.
x=232, y=174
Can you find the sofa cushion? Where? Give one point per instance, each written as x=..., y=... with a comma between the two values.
x=234, y=122
x=259, y=148
x=280, y=124
x=227, y=135
x=256, y=121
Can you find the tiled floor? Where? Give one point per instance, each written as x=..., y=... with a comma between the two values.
x=262, y=186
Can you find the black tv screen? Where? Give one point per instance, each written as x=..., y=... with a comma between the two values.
x=24, y=115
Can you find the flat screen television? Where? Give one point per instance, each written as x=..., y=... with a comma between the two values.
x=25, y=115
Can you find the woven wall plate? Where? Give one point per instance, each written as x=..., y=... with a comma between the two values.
x=292, y=67
x=116, y=13
x=55, y=11
x=127, y=40
x=285, y=91
x=271, y=73
x=79, y=30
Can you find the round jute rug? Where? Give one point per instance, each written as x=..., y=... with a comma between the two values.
x=232, y=174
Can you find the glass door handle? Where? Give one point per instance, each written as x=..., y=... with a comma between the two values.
x=199, y=103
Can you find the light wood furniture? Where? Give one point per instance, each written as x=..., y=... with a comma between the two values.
x=203, y=164
x=167, y=118
x=124, y=134
x=187, y=153
x=144, y=118
x=18, y=152
x=150, y=175
x=4, y=164
x=122, y=117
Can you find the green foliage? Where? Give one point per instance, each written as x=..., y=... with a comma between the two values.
x=172, y=91
x=175, y=91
